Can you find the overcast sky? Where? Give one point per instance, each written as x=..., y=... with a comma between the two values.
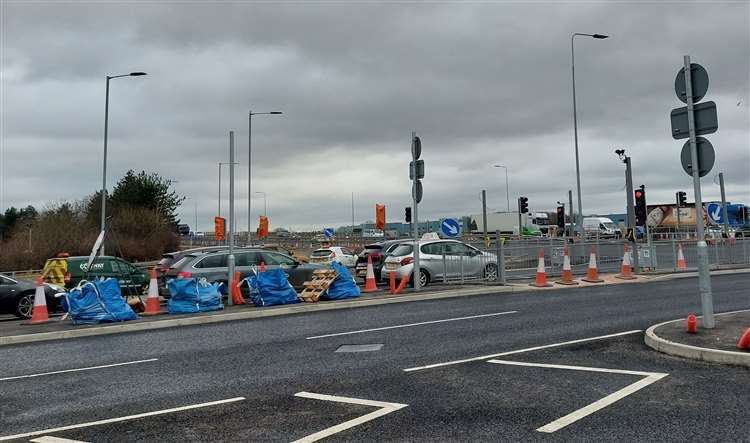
x=481, y=83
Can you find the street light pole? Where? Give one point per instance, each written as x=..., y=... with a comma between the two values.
x=579, y=224
x=507, y=193
x=250, y=115
x=104, y=167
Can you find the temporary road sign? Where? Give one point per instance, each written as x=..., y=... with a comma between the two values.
x=706, y=121
x=699, y=79
x=706, y=156
x=715, y=213
x=450, y=227
x=328, y=232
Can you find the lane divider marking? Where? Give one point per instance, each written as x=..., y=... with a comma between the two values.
x=51, y=439
x=362, y=331
x=385, y=408
x=78, y=369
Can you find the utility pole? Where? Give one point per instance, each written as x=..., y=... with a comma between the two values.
x=724, y=210
x=570, y=205
x=230, y=259
x=631, y=209
x=484, y=214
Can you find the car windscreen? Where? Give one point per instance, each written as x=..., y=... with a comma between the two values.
x=401, y=250
x=321, y=253
x=181, y=262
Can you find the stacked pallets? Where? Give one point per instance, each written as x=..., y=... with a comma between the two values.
x=321, y=280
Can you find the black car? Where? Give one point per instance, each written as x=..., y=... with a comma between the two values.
x=17, y=296
x=378, y=252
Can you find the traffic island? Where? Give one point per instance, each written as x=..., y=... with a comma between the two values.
x=718, y=345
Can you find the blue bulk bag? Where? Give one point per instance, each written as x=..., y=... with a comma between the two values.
x=344, y=286
x=269, y=288
x=99, y=301
x=190, y=295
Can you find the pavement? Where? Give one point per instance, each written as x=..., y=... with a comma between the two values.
x=565, y=364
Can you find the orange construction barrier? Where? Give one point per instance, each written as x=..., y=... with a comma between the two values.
x=680, y=257
x=692, y=324
x=370, y=284
x=541, y=274
x=592, y=273
x=744, y=342
x=152, y=301
x=237, y=298
x=626, y=270
x=39, y=313
x=567, y=271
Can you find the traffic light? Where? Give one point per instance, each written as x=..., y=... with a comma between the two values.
x=561, y=217
x=523, y=205
x=640, y=206
x=681, y=197
x=407, y=214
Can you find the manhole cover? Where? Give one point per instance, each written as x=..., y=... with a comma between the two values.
x=360, y=348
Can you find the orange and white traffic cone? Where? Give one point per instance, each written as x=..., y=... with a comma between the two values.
x=567, y=271
x=39, y=313
x=541, y=274
x=744, y=342
x=692, y=324
x=402, y=284
x=370, y=284
x=237, y=297
x=392, y=282
x=152, y=301
x=680, y=257
x=626, y=270
x=592, y=273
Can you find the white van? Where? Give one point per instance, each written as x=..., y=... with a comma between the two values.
x=600, y=225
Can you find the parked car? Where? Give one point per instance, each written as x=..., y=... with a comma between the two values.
x=17, y=296
x=338, y=254
x=290, y=252
x=213, y=266
x=133, y=281
x=378, y=252
x=170, y=258
x=461, y=260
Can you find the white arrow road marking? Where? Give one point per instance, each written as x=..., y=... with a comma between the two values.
x=650, y=377
x=119, y=419
x=385, y=408
x=50, y=439
x=79, y=369
x=361, y=331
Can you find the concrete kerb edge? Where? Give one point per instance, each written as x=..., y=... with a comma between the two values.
x=694, y=352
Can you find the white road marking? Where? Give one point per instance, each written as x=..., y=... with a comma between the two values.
x=385, y=408
x=78, y=369
x=362, y=331
x=650, y=377
x=535, y=348
x=50, y=439
x=120, y=419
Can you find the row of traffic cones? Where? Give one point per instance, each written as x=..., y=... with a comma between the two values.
x=592, y=272
x=691, y=326
x=371, y=284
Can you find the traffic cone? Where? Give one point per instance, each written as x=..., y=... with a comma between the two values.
x=392, y=282
x=680, y=257
x=567, y=271
x=626, y=271
x=541, y=274
x=152, y=301
x=744, y=342
x=402, y=285
x=592, y=273
x=237, y=297
x=39, y=312
x=692, y=324
x=370, y=284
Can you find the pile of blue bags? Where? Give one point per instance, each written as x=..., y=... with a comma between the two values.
x=98, y=301
x=272, y=287
x=344, y=286
x=190, y=295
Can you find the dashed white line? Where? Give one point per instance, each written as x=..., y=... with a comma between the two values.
x=385, y=408
x=650, y=377
x=535, y=348
x=119, y=419
x=362, y=331
x=78, y=369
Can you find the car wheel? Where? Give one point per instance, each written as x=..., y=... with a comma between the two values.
x=25, y=305
x=424, y=278
x=490, y=272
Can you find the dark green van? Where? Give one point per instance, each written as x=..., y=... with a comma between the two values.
x=133, y=281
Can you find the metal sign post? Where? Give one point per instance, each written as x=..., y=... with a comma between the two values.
x=230, y=259
x=724, y=210
x=631, y=210
x=416, y=195
x=704, y=277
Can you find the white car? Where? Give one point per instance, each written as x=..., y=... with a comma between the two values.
x=338, y=254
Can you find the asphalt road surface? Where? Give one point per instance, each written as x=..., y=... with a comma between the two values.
x=553, y=365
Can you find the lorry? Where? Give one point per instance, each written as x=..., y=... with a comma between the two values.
x=506, y=223
x=601, y=226
x=541, y=219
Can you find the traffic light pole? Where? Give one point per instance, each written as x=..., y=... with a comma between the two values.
x=415, y=212
x=631, y=210
x=677, y=197
x=520, y=230
x=704, y=277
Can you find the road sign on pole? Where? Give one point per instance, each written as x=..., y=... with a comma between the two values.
x=705, y=120
x=328, y=232
x=706, y=157
x=450, y=227
x=416, y=195
x=699, y=81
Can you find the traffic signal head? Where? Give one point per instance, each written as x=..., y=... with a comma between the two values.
x=681, y=198
x=407, y=214
x=561, y=216
x=523, y=205
x=640, y=206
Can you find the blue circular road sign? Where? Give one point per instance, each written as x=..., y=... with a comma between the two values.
x=450, y=227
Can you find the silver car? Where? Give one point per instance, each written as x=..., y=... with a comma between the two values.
x=441, y=260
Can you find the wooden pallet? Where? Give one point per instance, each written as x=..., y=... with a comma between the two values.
x=321, y=280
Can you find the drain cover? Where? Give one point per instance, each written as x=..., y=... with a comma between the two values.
x=360, y=348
